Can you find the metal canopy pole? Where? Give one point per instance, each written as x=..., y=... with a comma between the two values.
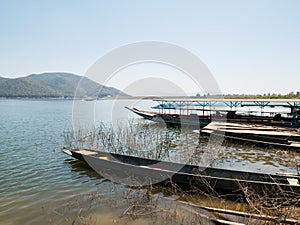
x=294, y=106
x=261, y=105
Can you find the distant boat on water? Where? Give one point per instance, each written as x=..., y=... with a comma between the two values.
x=88, y=99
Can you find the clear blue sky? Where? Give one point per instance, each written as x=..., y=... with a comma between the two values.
x=250, y=46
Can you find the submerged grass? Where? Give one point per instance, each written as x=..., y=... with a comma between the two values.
x=161, y=206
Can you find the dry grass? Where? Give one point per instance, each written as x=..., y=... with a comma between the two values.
x=139, y=139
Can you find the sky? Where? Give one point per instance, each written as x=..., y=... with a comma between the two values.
x=250, y=46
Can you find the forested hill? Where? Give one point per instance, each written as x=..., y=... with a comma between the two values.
x=54, y=85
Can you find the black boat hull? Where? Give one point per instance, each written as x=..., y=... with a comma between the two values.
x=134, y=171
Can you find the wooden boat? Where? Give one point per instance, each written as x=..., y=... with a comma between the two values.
x=276, y=120
x=258, y=135
x=203, y=120
x=173, y=119
x=145, y=114
x=271, y=112
x=135, y=171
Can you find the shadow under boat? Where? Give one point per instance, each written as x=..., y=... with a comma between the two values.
x=135, y=171
x=83, y=169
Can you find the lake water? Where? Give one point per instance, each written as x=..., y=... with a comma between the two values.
x=41, y=185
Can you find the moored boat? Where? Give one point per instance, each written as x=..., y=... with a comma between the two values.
x=259, y=135
x=145, y=114
x=173, y=119
x=271, y=112
x=135, y=171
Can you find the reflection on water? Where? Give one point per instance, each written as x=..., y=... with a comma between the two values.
x=83, y=169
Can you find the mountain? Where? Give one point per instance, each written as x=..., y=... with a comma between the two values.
x=55, y=85
x=3, y=79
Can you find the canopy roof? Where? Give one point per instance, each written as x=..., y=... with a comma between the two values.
x=225, y=100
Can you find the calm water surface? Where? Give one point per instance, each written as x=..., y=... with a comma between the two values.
x=35, y=177
x=41, y=185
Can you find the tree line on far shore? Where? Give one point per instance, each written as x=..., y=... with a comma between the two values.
x=254, y=96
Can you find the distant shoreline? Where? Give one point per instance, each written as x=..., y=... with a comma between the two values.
x=157, y=97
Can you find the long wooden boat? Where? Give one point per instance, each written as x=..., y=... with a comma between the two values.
x=134, y=171
x=276, y=120
x=145, y=114
x=173, y=119
x=274, y=112
x=203, y=120
x=257, y=135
